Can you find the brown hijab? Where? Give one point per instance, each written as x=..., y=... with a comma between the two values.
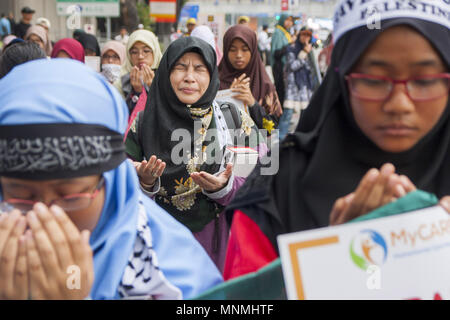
x=260, y=83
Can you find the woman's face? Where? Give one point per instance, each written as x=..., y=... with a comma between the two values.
x=36, y=39
x=111, y=57
x=63, y=54
x=141, y=54
x=89, y=53
x=50, y=190
x=398, y=123
x=239, y=54
x=304, y=39
x=288, y=23
x=190, y=78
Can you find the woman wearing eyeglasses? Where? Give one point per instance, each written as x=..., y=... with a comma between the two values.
x=377, y=128
x=73, y=221
x=113, y=56
x=143, y=57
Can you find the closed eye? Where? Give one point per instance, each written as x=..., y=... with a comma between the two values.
x=425, y=82
x=372, y=82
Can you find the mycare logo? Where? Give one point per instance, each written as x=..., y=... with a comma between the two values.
x=422, y=233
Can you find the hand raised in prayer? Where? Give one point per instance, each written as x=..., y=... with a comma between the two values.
x=136, y=79
x=445, y=203
x=149, y=171
x=59, y=258
x=243, y=80
x=211, y=183
x=13, y=257
x=241, y=86
x=377, y=188
x=147, y=75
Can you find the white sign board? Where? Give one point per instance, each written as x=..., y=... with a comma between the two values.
x=406, y=256
x=228, y=96
x=217, y=25
x=88, y=8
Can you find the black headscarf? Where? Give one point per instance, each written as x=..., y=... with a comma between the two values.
x=328, y=154
x=89, y=41
x=163, y=114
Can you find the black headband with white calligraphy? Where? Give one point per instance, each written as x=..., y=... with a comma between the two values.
x=58, y=150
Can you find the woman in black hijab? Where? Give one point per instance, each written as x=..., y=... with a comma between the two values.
x=182, y=116
x=90, y=44
x=364, y=116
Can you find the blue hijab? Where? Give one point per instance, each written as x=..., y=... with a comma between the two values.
x=66, y=91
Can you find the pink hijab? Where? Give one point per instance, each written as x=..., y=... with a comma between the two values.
x=117, y=47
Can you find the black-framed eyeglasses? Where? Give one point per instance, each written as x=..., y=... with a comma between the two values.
x=72, y=202
x=378, y=88
x=112, y=57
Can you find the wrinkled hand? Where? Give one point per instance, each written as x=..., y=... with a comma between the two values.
x=57, y=253
x=150, y=171
x=13, y=257
x=377, y=188
x=147, y=75
x=211, y=183
x=136, y=79
x=445, y=203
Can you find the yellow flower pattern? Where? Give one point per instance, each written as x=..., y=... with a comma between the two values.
x=268, y=125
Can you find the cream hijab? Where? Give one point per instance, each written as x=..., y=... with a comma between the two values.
x=41, y=33
x=150, y=40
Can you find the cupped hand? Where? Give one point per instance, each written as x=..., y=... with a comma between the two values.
x=149, y=171
x=211, y=183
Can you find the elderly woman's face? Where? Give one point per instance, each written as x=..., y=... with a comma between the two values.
x=398, y=122
x=51, y=191
x=190, y=78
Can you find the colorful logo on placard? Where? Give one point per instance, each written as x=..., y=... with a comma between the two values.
x=368, y=248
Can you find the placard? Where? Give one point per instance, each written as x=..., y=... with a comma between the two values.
x=228, y=96
x=93, y=62
x=406, y=256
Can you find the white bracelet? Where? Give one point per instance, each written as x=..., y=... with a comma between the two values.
x=147, y=186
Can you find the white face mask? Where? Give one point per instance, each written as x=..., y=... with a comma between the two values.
x=111, y=72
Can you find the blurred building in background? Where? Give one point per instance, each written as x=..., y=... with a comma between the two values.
x=47, y=9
